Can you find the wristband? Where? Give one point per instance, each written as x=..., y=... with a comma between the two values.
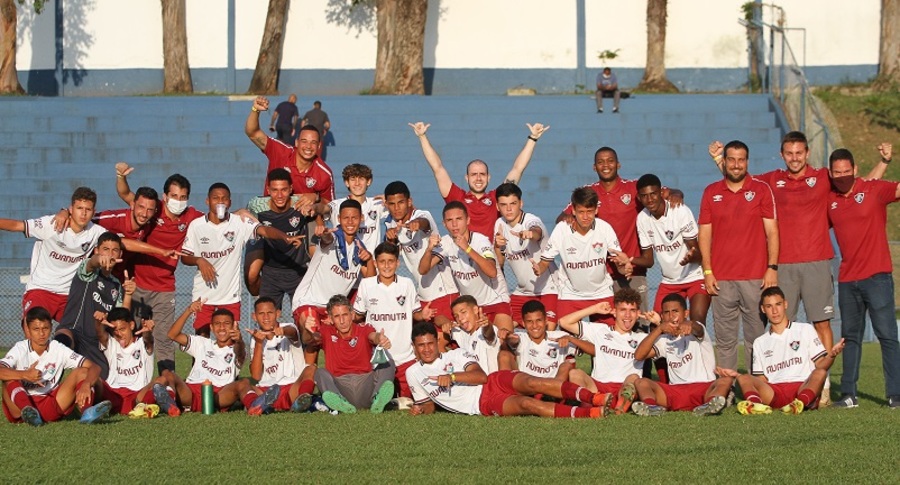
x=253, y=109
x=452, y=377
x=707, y=272
x=886, y=160
x=530, y=137
x=468, y=249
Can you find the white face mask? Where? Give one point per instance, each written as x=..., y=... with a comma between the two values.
x=176, y=206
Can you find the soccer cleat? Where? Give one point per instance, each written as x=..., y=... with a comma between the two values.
x=846, y=401
x=402, y=403
x=164, y=401
x=31, y=416
x=749, y=407
x=644, y=409
x=600, y=412
x=626, y=396
x=336, y=402
x=714, y=406
x=318, y=405
x=302, y=403
x=382, y=397
x=729, y=399
x=602, y=399
x=263, y=404
x=96, y=412
x=142, y=410
x=795, y=407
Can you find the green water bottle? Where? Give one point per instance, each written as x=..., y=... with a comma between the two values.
x=207, y=397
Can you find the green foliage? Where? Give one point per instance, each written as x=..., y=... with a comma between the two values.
x=608, y=55
x=748, y=8
x=37, y=4
x=884, y=108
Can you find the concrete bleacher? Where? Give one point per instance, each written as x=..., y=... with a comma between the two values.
x=49, y=146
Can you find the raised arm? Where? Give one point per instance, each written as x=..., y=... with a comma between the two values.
x=886, y=151
x=521, y=162
x=12, y=225
x=434, y=160
x=175, y=334
x=122, y=188
x=571, y=322
x=251, y=126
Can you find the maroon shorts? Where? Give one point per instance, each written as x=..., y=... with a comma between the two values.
x=565, y=307
x=785, y=393
x=400, y=376
x=197, y=397
x=684, y=397
x=549, y=301
x=46, y=406
x=496, y=391
x=123, y=400
x=491, y=311
x=610, y=387
x=442, y=305
x=204, y=316
x=283, y=403
x=52, y=302
x=303, y=311
x=687, y=290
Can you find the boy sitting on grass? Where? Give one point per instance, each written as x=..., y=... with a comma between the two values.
x=34, y=390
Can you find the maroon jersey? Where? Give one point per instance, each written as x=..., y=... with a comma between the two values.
x=347, y=355
x=157, y=273
x=802, y=214
x=121, y=222
x=317, y=179
x=482, y=212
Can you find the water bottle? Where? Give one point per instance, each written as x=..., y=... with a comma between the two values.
x=207, y=398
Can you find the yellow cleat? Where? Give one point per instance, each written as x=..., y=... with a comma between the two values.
x=747, y=407
x=795, y=407
x=144, y=411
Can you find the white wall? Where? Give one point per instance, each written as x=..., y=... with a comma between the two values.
x=117, y=34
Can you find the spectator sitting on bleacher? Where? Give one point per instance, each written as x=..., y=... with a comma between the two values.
x=607, y=87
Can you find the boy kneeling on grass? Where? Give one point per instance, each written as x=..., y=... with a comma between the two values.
x=34, y=390
x=217, y=359
x=790, y=364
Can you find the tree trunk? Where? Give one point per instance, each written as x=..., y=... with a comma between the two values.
x=401, y=44
x=655, y=72
x=889, y=46
x=268, y=64
x=9, y=79
x=176, y=70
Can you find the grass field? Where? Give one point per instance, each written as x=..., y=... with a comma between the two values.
x=858, y=445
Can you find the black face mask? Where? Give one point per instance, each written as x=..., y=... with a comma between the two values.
x=843, y=184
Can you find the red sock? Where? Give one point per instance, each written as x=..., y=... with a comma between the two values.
x=753, y=396
x=90, y=401
x=307, y=386
x=564, y=411
x=650, y=401
x=572, y=391
x=248, y=398
x=18, y=395
x=807, y=397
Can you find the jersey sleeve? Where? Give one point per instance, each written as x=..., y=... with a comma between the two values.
x=705, y=207
x=248, y=229
x=194, y=346
x=84, y=274
x=887, y=191
x=191, y=245
x=643, y=236
x=554, y=242
x=419, y=394
x=14, y=357
x=756, y=368
x=590, y=332
x=816, y=349
x=767, y=203
x=612, y=240
x=660, y=347
x=686, y=223
x=455, y=193
x=259, y=204
x=71, y=359
x=486, y=249
x=40, y=228
x=360, y=303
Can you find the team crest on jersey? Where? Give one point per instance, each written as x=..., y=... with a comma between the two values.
x=487, y=201
x=717, y=198
x=49, y=371
x=597, y=247
x=859, y=197
x=448, y=368
x=334, y=339
x=87, y=245
x=811, y=181
x=229, y=357
x=100, y=285
x=114, y=294
x=626, y=199
x=136, y=354
x=553, y=352
x=182, y=227
x=409, y=234
x=633, y=343
x=749, y=195
x=354, y=341
x=401, y=299
x=230, y=236
x=310, y=183
x=373, y=215
x=795, y=345
x=293, y=221
x=670, y=234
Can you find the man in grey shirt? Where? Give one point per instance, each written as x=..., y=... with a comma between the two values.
x=319, y=119
x=607, y=87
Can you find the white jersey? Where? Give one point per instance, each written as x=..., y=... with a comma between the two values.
x=130, y=367
x=218, y=364
x=438, y=281
x=56, y=359
x=485, y=352
x=468, y=276
x=223, y=246
x=542, y=359
x=691, y=360
x=279, y=359
x=56, y=256
x=458, y=398
x=614, y=352
x=788, y=357
x=666, y=236
x=373, y=213
x=390, y=308
x=520, y=253
x=325, y=278
x=583, y=274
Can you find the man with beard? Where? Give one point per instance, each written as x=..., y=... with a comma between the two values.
x=738, y=238
x=858, y=212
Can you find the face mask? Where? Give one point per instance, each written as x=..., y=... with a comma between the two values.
x=843, y=184
x=176, y=206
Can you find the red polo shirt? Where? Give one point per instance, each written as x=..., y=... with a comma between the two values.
x=317, y=179
x=482, y=212
x=157, y=273
x=119, y=221
x=802, y=214
x=351, y=355
x=859, y=220
x=739, y=247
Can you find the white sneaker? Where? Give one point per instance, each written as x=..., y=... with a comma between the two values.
x=402, y=403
